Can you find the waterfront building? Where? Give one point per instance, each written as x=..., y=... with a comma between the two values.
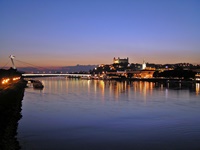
x=142, y=73
x=197, y=76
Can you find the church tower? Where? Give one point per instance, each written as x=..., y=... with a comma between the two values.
x=143, y=65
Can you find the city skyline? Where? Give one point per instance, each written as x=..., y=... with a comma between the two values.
x=66, y=33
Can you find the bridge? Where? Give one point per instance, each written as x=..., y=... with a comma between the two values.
x=27, y=75
x=32, y=75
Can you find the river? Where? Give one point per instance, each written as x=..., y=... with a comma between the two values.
x=77, y=114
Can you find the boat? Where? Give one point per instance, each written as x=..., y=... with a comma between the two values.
x=37, y=84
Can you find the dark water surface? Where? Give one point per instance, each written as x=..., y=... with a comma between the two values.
x=107, y=115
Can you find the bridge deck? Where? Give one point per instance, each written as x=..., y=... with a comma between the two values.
x=55, y=75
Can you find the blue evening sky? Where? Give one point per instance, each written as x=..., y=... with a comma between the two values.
x=70, y=32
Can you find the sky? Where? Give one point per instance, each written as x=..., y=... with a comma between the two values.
x=71, y=32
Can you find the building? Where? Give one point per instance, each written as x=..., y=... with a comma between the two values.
x=142, y=73
x=120, y=61
x=120, y=64
x=144, y=65
x=197, y=77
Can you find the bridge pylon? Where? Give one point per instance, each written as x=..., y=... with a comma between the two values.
x=12, y=57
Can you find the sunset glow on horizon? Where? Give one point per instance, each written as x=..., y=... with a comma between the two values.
x=87, y=32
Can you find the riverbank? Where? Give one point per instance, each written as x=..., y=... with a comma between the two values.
x=161, y=80
x=10, y=113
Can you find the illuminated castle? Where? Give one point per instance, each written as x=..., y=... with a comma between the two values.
x=120, y=61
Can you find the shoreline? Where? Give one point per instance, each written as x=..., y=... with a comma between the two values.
x=10, y=114
x=160, y=80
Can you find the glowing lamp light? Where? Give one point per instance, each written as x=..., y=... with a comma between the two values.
x=5, y=81
x=16, y=78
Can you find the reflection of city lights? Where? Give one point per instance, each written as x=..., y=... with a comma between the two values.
x=197, y=88
x=144, y=88
x=88, y=85
x=161, y=86
x=112, y=90
x=102, y=86
x=166, y=93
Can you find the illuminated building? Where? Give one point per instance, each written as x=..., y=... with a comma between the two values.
x=197, y=77
x=120, y=61
x=120, y=64
x=143, y=65
x=142, y=73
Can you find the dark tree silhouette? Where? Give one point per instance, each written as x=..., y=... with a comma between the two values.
x=176, y=73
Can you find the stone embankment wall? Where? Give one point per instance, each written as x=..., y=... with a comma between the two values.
x=10, y=114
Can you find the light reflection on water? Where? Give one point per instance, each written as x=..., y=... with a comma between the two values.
x=92, y=114
x=197, y=88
